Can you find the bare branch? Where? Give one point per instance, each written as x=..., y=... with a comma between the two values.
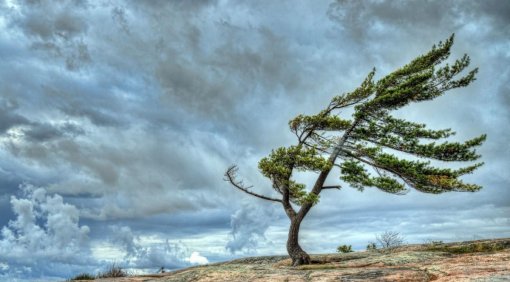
x=389, y=240
x=348, y=105
x=230, y=176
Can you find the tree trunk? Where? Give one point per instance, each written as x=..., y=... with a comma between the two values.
x=297, y=254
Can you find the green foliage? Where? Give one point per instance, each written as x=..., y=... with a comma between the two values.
x=360, y=94
x=405, y=137
x=371, y=247
x=355, y=174
x=282, y=161
x=83, y=276
x=321, y=121
x=420, y=174
x=344, y=249
x=279, y=165
x=364, y=147
x=419, y=80
x=377, y=133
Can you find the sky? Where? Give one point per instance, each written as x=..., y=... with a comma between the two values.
x=118, y=119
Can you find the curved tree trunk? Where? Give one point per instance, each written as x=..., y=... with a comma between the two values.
x=297, y=254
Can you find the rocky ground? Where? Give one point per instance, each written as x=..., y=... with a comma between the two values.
x=483, y=260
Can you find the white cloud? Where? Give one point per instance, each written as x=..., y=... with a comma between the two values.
x=196, y=258
x=45, y=232
x=44, y=227
x=143, y=252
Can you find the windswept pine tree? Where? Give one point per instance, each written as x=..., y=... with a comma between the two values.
x=368, y=148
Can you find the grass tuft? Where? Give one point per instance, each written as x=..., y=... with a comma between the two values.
x=113, y=271
x=83, y=276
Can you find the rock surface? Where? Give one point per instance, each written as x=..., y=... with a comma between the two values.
x=483, y=260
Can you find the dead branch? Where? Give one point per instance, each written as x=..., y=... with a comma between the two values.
x=230, y=176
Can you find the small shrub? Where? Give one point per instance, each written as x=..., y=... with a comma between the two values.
x=344, y=249
x=371, y=247
x=83, y=276
x=432, y=243
x=113, y=271
x=389, y=240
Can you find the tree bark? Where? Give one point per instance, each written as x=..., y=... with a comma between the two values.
x=295, y=251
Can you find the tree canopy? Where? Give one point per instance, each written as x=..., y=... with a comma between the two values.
x=372, y=130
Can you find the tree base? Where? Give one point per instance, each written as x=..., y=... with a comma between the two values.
x=300, y=259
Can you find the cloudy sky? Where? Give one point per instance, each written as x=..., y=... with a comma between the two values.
x=119, y=118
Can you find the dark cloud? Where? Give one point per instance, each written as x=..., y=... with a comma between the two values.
x=9, y=118
x=96, y=116
x=46, y=20
x=47, y=132
x=369, y=18
x=56, y=29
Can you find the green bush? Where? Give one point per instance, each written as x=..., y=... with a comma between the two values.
x=344, y=249
x=371, y=247
x=83, y=276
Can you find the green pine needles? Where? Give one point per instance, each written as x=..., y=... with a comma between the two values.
x=372, y=148
x=364, y=146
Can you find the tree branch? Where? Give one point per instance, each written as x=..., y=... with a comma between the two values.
x=289, y=210
x=311, y=130
x=337, y=149
x=230, y=176
x=332, y=187
x=399, y=175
